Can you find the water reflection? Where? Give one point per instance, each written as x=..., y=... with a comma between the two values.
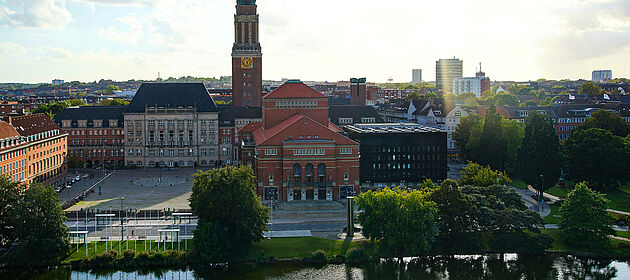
x=508, y=266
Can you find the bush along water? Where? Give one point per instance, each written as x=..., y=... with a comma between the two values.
x=131, y=259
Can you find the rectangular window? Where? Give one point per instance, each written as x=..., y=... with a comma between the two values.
x=345, y=151
x=151, y=153
x=151, y=123
x=309, y=152
x=271, y=152
x=345, y=120
x=226, y=140
x=171, y=153
x=181, y=153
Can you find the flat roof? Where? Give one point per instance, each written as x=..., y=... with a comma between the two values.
x=390, y=128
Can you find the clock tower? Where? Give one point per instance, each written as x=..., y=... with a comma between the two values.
x=246, y=56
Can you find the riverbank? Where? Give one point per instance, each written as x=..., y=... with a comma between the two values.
x=298, y=249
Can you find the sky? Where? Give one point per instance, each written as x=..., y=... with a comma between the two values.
x=321, y=40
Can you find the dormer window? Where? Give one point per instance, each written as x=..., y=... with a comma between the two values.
x=98, y=123
x=66, y=123
x=82, y=123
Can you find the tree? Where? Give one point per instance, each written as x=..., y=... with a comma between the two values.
x=111, y=88
x=226, y=198
x=458, y=220
x=463, y=132
x=529, y=103
x=477, y=175
x=11, y=88
x=504, y=99
x=607, y=120
x=540, y=153
x=403, y=222
x=512, y=134
x=43, y=235
x=585, y=221
x=597, y=156
x=517, y=89
x=9, y=201
x=113, y=102
x=492, y=149
x=589, y=88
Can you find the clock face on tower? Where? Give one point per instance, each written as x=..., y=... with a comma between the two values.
x=247, y=63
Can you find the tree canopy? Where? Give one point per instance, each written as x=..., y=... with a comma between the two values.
x=597, y=156
x=504, y=99
x=403, y=222
x=607, y=120
x=231, y=216
x=34, y=220
x=477, y=175
x=540, y=153
x=111, y=88
x=585, y=221
x=113, y=102
x=589, y=88
x=54, y=108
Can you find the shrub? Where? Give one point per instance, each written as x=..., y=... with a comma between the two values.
x=171, y=257
x=356, y=255
x=318, y=256
x=156, y=258
x=338, y=259
x=129, y=254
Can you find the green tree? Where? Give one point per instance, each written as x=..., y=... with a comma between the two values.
x=11, y=88
x=529, y=103
x=517, y=89
x=585, y=221
x=607, y=120
x=9, y=201
x=483, y=176
x=493, y=147
x=504, y=99
x=111, y=88
x=589, y=88
x=597, y=156
x=462, y=134
x=113, y=102
x=402, y=222
x=431, y=95
x=458, y=220
x=512, y=134
x=540, y=153
x=227, y=198
x=42, y=234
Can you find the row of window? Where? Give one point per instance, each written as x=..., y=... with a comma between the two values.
x=13, y=154
x=404, y=149
x=309, y=152
x=95, y=141
x=83, y=123
x=390, y=157
x=96, y=132
x=96, y=153
x=351, y=120
x=296, y=104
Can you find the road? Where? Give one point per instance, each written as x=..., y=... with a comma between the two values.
x=88, y=178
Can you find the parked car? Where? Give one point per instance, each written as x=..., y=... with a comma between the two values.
x=78, y=178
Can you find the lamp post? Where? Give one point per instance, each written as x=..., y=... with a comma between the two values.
x=122, y=201
x=68, y=188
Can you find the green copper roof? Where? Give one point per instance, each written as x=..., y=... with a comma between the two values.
x=246, y=2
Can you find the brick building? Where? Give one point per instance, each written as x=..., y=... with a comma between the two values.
x=296, y=151
x=95, y=134
x=14, y=107
x=33, y=149
x=246, y=56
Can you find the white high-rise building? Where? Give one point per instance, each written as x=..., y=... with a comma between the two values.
x=601, y=75
x=447, y=70
x=472, y=84
x=416, y=76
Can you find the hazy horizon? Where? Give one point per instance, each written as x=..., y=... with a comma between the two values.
x=323, y=40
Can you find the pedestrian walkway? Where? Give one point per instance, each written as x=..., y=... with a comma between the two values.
x=526, y=195
x=551, y=198
x=287, y=233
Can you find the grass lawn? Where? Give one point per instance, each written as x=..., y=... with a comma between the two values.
x=100, y=247
x=518, y=182
x=625, y=234
x=554, y=216
x=302, y=247
x=560, y=246
x=620, y=198
x=559, y=192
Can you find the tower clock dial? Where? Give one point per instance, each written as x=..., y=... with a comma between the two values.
x=247, y=63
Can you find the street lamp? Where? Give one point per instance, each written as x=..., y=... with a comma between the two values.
x=68, y=187
x=122, y=201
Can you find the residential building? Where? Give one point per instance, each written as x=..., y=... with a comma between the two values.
x=399, y=154
x=453, y=119
x=33, y=149
x=173, y=125
x=446, y=71
x=246, y=56
x=342, y=115
x=601, y=75
x=95, y=134
x=416, y=76
x=57, y=82
x=476, y=85
x=296, y=152
x=16, y=108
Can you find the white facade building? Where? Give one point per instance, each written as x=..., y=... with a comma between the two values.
x=472, y=84
x=416, y=76
x=601, y=75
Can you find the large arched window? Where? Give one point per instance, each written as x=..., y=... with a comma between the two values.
x=309, y=172
x=321, y=172
x=297, y=172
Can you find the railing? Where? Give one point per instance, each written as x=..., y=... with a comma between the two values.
x=308, y=184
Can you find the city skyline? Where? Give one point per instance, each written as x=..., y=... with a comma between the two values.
x=88, y=40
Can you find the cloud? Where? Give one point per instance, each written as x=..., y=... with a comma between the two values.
x=34, y=14
x=134, y=30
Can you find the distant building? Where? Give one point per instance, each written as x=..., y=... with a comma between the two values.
x=33, y=149
x=447, y=70
x=95, y=134
x=476, y=85
x=399, y=154
x=416, y=76
x=342, y=115
x=358, y=91
x=57, y=82
x=601, y=75
x=16, y=108
x=246, y=56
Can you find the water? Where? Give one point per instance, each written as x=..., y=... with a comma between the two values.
x=462, y=267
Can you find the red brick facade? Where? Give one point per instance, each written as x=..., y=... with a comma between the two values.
x=296, y=152
x=246, y=58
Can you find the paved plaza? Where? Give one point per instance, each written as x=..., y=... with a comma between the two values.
x=142, y=189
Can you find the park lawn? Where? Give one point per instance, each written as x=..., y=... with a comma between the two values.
x=518, y=182
x=625, y=234
x=619, y=198
x=554, y=216
x=559, y=245
x=80, y=253
x=300, y=247
x=559, y=192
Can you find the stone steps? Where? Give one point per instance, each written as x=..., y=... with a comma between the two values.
x=310, y=205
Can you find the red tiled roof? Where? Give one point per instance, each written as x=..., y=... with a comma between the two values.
x=294, y=90
x=250, y=127
x=32, y=124
x=334, y=127
x=295, y=126
x=7, y=131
